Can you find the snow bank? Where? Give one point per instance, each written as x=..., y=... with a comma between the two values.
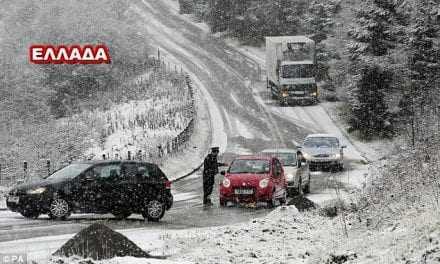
x=282, y=236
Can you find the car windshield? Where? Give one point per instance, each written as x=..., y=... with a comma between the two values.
x=320, y=142
x=69, y=172
x=298, y=71
x=250, y=166
x=287, y=159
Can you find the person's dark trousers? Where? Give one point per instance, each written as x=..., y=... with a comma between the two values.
x=207, y=191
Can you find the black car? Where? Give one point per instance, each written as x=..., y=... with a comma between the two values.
x=117, y=187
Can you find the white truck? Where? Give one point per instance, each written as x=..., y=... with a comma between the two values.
x=291, y=67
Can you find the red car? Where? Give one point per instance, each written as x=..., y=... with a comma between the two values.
x=252, y=179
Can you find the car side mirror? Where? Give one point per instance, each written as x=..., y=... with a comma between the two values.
x=223, y=173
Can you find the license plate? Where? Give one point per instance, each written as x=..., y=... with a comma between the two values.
x=298, y=92
x=13, y=199
x=244, y=191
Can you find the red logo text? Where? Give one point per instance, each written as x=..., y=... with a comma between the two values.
x=69, y=54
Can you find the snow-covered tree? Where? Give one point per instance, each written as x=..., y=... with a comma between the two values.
x=369, y=112
x=419, y=104
x=375, y=31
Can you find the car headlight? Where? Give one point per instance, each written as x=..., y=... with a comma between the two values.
x=289, y=177
x=39, y=190
x=264, y=183
x=226, y=182
x=314, y=94
x=285, y=94
x=336, y=156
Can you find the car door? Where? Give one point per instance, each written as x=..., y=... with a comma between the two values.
x=129, y=185
x=97, y=187
x=107, y=178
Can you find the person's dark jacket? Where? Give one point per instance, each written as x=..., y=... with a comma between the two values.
x=210, y=168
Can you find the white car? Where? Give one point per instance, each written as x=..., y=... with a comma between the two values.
x=322, y=151
x=297, y=176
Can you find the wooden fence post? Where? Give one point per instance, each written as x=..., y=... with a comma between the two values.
x=25, y=170
x=48, y=167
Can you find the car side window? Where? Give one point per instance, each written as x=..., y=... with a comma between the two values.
x=144, y=171
x=130, y=170
x=107, y=171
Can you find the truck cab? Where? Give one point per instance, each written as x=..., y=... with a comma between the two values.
x=291, y=67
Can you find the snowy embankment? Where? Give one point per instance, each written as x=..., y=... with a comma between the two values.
x=284, y=235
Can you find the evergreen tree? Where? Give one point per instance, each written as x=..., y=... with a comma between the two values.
x=420, y=97
x=376, y=32
x=369, y=112
x=319, y=26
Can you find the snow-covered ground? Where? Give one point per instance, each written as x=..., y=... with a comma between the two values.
x=284, y=235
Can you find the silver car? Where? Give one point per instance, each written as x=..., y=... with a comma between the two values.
x=322, y=151
x=297, y=176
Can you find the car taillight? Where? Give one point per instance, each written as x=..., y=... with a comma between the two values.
x=168, y=185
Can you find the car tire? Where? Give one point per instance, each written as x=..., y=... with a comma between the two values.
x=299, y=189
x=283, y=200
x=31, y=214
x=272, y=203
x=222, y=203
x=306, y=188
x=154, y=210
x=59, y=209
x=341, y=167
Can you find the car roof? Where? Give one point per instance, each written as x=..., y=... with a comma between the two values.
x=280, y=150
x=109, y=161
x=250, y=157
x=321, y=135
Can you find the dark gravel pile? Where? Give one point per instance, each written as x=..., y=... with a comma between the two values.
x=100, y=242
x=302, y=203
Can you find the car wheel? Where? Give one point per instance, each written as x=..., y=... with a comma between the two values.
x=299, y=190
x=30, y=214
x=283, y=200
x=306, y=188
x=341, y=167
x=154, y=210
x=273, y=202
x=222, y=203
x=59, y=209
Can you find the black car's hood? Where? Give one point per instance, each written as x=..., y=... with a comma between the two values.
x=36, y=184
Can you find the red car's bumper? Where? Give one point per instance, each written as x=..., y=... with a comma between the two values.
x=236, y=195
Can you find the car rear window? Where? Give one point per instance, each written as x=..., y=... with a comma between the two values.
x=144, y=170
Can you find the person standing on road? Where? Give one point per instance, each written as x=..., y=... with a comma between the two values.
x=210, y=169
